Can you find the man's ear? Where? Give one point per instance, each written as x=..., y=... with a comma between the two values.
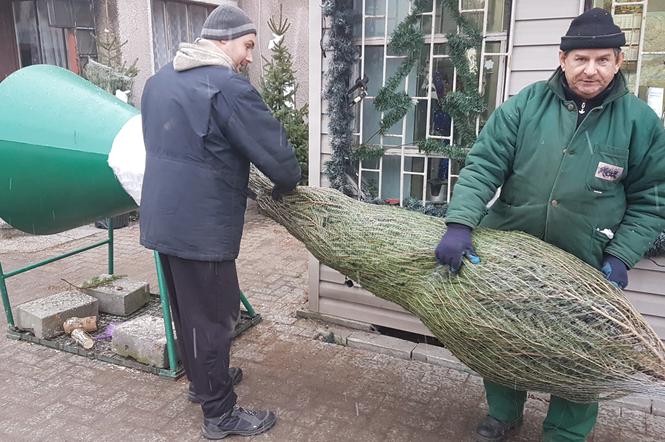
x=619, y=61
x=562, y=59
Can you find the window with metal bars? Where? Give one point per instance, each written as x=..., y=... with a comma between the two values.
x=403, y=172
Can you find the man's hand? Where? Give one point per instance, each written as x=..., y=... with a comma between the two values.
x=455, y=244
x=277, y=193
x=615, y=271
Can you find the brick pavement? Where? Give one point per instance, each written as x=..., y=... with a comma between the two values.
x=322, y=392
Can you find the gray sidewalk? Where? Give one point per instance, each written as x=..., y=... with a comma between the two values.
x=321, y=392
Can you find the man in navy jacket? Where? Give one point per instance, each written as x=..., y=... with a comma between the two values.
x=203, y=124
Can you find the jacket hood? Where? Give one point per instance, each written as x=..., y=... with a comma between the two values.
x=201, y=53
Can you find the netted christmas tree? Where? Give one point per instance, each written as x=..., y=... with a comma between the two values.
x=279, y=87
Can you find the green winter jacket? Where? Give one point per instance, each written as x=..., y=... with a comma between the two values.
x=596, y=189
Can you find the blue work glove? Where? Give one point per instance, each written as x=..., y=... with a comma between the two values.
x=456, y=244
x=615, y=271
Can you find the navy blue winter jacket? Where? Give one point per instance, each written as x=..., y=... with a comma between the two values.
x=202, y=127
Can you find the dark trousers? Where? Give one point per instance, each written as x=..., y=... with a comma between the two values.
x=205, y=304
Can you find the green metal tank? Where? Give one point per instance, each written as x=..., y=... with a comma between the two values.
x=56, y=131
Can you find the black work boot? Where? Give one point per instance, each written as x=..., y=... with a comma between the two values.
x=238, y=421
x=235, y=374
x=493, y=430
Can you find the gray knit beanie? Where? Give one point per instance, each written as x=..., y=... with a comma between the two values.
x=227, y=22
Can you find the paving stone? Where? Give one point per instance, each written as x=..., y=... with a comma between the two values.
x=118, y=296
x=635, y=402
x=658, y=407
x=438, y=356
x=142, y=338
x=44, y=316
x=398, y=348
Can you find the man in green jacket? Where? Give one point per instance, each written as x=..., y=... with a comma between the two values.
x=581, y=164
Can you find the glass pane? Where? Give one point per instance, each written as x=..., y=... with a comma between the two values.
x=629, y=70
x=52, y=40
x=437, y=188
x=397, y=11
x=85, y=42
x=371, y=119
x=374, y=69
x=652, y=81
x=420, y=121
x=415, y=164
x=375, y=27
x=159, y=42
x=83, y=13
x=475, y=18
x=441, y=49
x=425, y=24
x=375, y=7
x=372, y=163
x=421, y=77
x=605, y=4
x=392, y=141
x=491, y=89
x=59, y=13
x=392, y=65
x=176, y=26
x=390, y=177
x=473, y=4
x=654, y=35
x=413, y=184
x=197, y=15
x=370, y=184
x=25, y=21
x=493, y=47
x=444, y=21
x=498, y=15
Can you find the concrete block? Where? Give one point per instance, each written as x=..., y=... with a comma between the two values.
x=118, y=295
x=635, y=402
x=142, y=338
x=658, y=407
x=398, y=348
x=44, y=316
x=438, y=356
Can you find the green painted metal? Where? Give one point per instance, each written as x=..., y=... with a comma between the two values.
x=248, y=306
x=56, y=130
x=5, y=299
x=166, y=313
x=4, y=276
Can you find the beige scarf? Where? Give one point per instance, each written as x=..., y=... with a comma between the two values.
x=201, y=53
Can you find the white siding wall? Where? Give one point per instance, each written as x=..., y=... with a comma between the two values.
x=537, y=30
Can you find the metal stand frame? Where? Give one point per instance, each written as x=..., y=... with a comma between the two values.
x=174, y=371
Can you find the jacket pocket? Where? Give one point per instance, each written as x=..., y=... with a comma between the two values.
x=600, y=238
x=607, y=168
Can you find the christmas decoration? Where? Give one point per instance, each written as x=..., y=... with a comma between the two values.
x=279, y=88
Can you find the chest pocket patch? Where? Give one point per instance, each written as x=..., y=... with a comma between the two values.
x=608, y=172
x=607, y=167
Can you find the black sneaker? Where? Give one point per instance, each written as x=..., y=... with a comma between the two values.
x=235, y=374
x=493, y=430
x=238, y=421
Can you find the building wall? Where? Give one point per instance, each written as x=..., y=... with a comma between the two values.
x=536, y=34
x=296, y=39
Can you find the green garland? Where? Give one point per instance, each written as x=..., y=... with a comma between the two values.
x=406, y=40
x=344, y=55
x=465, y=104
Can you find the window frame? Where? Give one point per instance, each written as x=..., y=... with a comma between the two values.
x=405, y=151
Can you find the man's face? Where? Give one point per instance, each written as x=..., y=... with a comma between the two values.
x=239, y=49
x=589, y=71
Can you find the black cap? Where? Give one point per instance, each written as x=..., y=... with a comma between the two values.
x=593, y=29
